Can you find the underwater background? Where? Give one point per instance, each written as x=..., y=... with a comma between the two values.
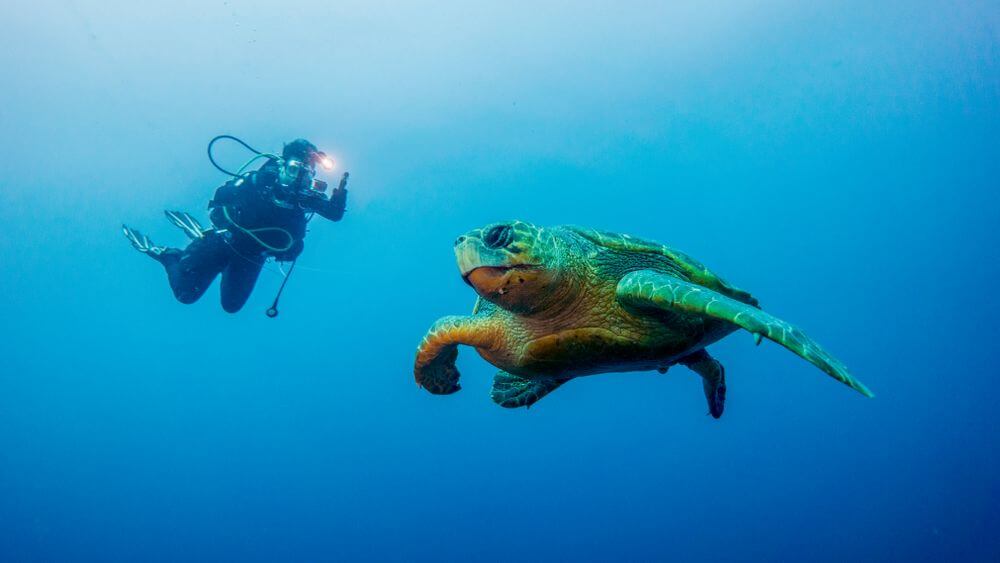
x=837, y=159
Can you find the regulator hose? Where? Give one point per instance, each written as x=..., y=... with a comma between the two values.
x=252, y=233
x=211, y=158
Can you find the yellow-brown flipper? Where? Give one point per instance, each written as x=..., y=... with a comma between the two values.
x=434, y=368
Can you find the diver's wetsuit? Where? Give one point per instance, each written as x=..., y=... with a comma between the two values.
x=256, y=204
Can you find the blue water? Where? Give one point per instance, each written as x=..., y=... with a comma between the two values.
x=838, y=161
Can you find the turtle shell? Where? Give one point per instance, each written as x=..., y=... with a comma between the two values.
x=695, y=270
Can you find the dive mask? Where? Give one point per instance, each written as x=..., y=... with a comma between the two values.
x=296, y=175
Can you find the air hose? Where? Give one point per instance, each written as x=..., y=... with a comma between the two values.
x=252, y=233
x=239, y=173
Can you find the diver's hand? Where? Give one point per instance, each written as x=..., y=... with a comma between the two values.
x=338, y=194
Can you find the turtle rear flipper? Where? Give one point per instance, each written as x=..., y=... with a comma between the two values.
x=646, y=289
x=513, y=391
x=713, y=377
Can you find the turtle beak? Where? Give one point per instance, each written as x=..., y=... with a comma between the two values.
x=478, y=263
x=467, y=255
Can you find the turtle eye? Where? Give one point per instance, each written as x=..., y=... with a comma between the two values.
x=498, y=236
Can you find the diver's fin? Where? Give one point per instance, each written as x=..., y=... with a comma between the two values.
x=648, y=289
x=713, y=378
x=512, y=391
x=141, y=242
x=185, y=222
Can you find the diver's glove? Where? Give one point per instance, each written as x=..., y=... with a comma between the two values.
x=338, y=197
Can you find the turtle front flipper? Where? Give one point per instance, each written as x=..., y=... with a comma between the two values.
x=434, y=368
x=512, y=391
x=646, y=289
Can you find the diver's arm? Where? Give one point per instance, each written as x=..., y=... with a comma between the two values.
x=331, y=208
x=238, y=190
x=226, y=194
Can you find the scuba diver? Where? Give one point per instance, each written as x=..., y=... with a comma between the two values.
x=256, y=215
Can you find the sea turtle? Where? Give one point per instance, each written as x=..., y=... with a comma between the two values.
x=563, y=302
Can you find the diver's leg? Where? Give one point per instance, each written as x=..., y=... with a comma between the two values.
x=192, y=270
x=713, y=379
x=239, y=278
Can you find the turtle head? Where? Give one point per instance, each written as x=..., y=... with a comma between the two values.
x=514, y=264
